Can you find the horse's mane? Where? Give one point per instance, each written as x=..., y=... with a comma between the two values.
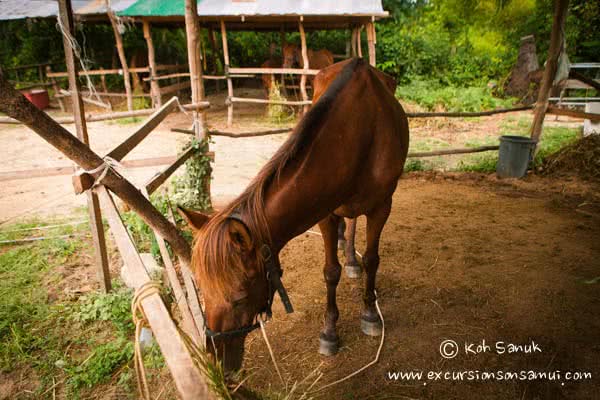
x=217, y=262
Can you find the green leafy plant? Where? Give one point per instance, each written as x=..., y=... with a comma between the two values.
x=114, y=307
x=191, y=190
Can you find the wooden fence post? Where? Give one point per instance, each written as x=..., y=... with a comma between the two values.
x=371, y=39
x=195, y=65
x=122, y=57
x=556, y=46
x=305, y=65
x=229, y=82
x=102, y=271
x=154, y=88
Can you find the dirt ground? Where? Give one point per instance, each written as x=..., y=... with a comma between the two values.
x=467, y=258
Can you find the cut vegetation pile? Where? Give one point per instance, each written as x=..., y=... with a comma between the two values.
x=581, y=158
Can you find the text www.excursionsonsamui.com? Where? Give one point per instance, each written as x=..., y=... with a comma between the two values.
x=483, y=376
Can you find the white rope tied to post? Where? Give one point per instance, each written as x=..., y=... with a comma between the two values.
x=108, y=164
x=148, y=289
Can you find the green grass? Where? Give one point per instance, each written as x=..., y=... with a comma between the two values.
x=80, y=342
x=432, y=96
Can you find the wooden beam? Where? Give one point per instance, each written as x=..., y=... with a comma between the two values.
x=15, y=105
x=87, y=100
x=582, y=78
x=158, y=179
x=70, y=170
x=120, y=49
x=573, y=113
x=228, y=70
x=467, y=114
x=119, y=152
x=556, y=46
x=188, y=324
x=305, y=64
x=174, y=87
x=186, y=376
x=452, y=151
x=154, y=87
x=287, y=71
x=113, y=115
x=93, y=207
x=265, y=101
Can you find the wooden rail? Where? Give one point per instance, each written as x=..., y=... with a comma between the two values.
x=114, y=115
x=466, y=114
x=115, y=71
x=452, y=151
x=266, y=101
x=290, y=71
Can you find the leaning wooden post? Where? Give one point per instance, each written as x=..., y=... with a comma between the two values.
x=556, y=46
x=227, y=75
x=358, y=44
x=305, y=65
x=154, y=87
x=371, y=39
x=102, y=271
x=122, y=58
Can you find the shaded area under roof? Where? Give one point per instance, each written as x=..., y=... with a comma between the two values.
x=21, y=9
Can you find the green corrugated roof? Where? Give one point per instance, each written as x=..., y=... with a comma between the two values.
x=155, y=8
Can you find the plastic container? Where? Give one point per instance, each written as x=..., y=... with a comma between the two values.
x=38, y=97
x=514, y=156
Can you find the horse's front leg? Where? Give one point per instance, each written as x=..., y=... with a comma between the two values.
x=370, y=322
x=332, y=271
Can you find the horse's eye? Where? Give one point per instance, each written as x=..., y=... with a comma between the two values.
x=239, y=301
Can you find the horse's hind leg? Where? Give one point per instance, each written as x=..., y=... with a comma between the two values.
x=370, y=322
x=351, y=266
x=332, y=271
x=341, y=231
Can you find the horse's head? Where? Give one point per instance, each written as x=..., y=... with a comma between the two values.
x=229, y=269
x=291, y=55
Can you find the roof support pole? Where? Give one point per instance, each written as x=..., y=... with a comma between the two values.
x=305, y=63
x=195, y=64
x=121, y=51
x=556, y=46
x=358, y=44
x=229, y=82
x=283, y=43
x=93, y=206
x=372, y=40
x=154, y=87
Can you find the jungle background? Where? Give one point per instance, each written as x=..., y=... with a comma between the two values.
x=453, y=54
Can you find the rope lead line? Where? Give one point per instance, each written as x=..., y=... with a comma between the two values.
x=148, y=289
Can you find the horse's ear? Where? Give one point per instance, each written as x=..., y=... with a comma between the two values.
x=240, y=235
x=195, y=219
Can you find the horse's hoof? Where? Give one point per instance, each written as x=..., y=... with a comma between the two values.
x=371, y=328
x=341, y=244
x=353, y=271
x=327, y=347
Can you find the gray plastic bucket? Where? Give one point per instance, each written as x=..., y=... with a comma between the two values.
x=514, y=156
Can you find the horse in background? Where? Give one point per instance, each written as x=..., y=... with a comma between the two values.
x=274, y=61
x=317, y=59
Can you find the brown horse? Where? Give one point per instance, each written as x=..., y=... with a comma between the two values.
x=317, y=59
x=236, y=251
x=347, y=232
x=273, y=62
